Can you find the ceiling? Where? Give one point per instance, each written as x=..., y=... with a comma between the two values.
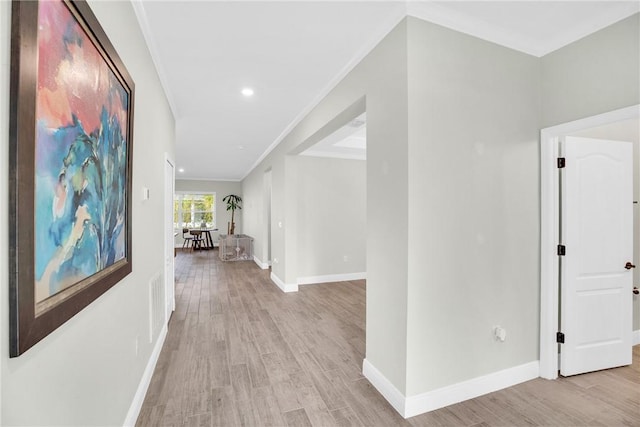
x=293, y=53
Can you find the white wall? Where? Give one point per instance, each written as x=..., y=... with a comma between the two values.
x=254, y=213
x=87, y=371
x=473, y=207
x=253, y=218
x=474, y=188
x=332, y=216
x=594, y=75
x=222, y=189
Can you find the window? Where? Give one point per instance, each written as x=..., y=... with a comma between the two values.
x=193, y=210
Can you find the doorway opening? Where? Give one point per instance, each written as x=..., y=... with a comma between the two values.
x=169, y=238
x=266, y=250
x=326, y=212
x=597, y=126
x=332, y=212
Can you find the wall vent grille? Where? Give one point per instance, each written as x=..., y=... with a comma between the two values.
x=156, y=306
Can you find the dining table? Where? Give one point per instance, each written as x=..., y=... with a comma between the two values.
x=207, y=240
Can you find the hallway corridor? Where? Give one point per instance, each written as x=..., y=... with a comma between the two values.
x=239, y=352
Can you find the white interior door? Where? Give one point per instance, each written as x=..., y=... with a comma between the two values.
x=597, y=232
x=169, y=280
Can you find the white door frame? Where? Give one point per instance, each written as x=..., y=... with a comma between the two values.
x=169, y=282
x=549, y=219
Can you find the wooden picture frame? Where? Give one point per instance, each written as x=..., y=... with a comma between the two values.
x=70, y=167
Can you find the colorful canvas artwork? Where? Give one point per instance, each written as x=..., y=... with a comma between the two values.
x=70, y=160
x=80, y=154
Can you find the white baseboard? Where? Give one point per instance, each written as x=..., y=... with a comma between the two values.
x=285, y=287
x=435, y=399
x=143, y=386
x=475, y=387
x=331, y=278
x=384, y=386
x=262, y=265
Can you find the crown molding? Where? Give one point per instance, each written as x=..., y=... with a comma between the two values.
x=467, y=24
x=141, y=16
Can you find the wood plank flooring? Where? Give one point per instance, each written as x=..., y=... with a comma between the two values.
x=239, y=352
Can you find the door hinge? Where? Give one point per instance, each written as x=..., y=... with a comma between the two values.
x=559, y=337
x=561, y=162
x=562, y=250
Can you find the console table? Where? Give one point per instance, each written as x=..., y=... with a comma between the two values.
x=236, y=247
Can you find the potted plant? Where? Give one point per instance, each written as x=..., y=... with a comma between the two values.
x=233, y=203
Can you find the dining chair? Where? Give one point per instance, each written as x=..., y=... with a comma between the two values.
x=197, y=239
x=188, y=240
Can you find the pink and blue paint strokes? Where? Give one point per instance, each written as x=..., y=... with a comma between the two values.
x=81, y=156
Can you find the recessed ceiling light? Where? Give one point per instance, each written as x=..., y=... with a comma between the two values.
x=240, y=147
x=247, y=91
x=181, y=170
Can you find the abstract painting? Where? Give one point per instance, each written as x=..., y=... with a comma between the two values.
x=70, y=154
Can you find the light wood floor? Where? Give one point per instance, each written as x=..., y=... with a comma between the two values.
x=241, y=353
